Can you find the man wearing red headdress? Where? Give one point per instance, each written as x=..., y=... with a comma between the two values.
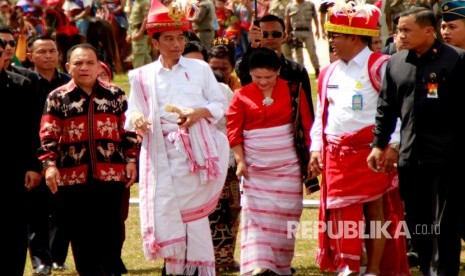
x=184, y=157
x=354, y=199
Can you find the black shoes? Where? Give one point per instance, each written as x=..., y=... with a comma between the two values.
x=413, y=259
x=42, y=270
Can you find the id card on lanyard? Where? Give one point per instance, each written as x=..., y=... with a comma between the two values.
x=432, y=87
x=357, y=99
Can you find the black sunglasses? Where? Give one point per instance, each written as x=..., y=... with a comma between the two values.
x=274, y=34
x=12, y=43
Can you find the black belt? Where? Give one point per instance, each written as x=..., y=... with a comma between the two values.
x=206, y=30
x=302, y=29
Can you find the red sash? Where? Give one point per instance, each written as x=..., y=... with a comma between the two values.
x=354, y=149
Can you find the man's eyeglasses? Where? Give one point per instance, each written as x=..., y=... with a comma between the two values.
x=274, y=34
x=334, y=35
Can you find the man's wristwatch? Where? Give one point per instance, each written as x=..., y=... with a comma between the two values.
x=373, y=145
x=394, y=146
x=48, y=163
x=131, y=159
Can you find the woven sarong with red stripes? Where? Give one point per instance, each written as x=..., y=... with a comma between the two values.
x=272, y=197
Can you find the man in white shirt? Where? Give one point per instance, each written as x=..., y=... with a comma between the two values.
x=341, y=136
x=184, y=157
x=78, y=11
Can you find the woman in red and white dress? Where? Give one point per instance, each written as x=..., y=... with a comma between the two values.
x=260, y=125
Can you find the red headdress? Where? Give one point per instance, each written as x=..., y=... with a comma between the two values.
x=355, y=18
x=162, y=19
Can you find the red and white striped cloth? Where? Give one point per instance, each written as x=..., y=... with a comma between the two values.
x=272, y=197
x=200, y=150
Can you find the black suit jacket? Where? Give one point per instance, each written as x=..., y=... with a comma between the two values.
x=431, y=120
x=19, y=128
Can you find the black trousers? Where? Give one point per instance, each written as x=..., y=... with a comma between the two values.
x=13, y=230
x=163, y=272
x=38, y=230
x=59, y=238
x=431, y=197
x=91, y=215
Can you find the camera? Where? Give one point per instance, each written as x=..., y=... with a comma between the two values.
x=296, y=43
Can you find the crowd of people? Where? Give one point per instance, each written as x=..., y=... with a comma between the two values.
x=221, y=134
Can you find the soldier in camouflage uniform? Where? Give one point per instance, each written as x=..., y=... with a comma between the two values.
x=138, y=35
x=202, y=22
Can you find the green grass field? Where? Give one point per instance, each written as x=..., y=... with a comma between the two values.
x=304, y=260
x=137, y=264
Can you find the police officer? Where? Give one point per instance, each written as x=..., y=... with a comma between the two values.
x=298, y=17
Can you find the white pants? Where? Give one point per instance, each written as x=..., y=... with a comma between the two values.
x=199, y=251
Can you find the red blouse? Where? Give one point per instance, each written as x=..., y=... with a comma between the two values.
x=247, y=111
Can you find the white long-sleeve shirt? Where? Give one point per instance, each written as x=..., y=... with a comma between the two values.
x=190, y=83
x=347, y=80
